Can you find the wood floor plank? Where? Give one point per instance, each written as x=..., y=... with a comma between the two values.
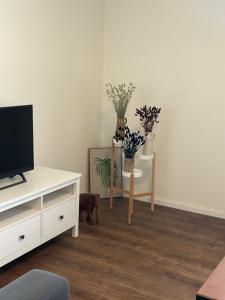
x=166, y=255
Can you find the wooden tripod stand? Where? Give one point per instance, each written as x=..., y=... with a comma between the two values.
x=132, y=177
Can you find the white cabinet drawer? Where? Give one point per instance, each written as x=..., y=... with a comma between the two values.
x=20, y=236
x=59, y=219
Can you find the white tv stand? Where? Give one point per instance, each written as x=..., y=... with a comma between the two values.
x=38, y=210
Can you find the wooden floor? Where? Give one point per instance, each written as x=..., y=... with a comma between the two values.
x=166, y=255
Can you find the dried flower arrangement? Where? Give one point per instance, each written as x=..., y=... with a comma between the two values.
x=131, y=143
x=120, y=97
x=148, y=117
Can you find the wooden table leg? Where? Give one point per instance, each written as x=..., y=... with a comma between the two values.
x=153, y=184
x=131, y=195
x=111, y=199
x=111, y=176
x=132, y=206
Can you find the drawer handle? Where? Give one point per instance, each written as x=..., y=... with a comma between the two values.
x=22, y=237
x=61, y=217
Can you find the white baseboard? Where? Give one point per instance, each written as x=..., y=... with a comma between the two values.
x=188, y=207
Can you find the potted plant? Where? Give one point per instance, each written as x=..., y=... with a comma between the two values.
x=120, y=97
x=148, y=118
x=131, y=143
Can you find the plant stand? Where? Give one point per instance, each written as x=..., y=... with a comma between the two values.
x=137, y=173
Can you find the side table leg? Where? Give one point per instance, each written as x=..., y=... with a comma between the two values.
x=111, y=198
x=153, y=184
x=111, y=176
x=132, y=206
x=131, y=195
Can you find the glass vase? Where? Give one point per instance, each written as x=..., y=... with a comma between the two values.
x=120, y=127
x=129, y=165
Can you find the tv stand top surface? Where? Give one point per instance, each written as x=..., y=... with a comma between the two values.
x=39, y=181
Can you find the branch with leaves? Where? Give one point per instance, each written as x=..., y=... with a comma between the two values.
x=131, y=143
x=148, y=117
x=120, y=97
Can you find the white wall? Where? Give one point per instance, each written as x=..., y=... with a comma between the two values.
x=173, y=51
x=51, y=57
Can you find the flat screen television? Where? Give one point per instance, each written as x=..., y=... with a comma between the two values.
x=16, y=140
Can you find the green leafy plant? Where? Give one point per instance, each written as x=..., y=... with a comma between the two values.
x=103, y=170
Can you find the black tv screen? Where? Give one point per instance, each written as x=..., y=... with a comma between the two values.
x=16, y=140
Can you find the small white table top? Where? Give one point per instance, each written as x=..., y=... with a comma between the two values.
x=137, y=173
x=145, y=157
x=39, y=180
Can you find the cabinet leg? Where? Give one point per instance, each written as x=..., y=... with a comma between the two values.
x=75, y=231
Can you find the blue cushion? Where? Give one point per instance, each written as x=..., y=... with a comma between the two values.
x=37, y=285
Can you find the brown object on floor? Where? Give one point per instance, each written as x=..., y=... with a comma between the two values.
x=167, y=255
x=89, y=202
x=214, y=287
